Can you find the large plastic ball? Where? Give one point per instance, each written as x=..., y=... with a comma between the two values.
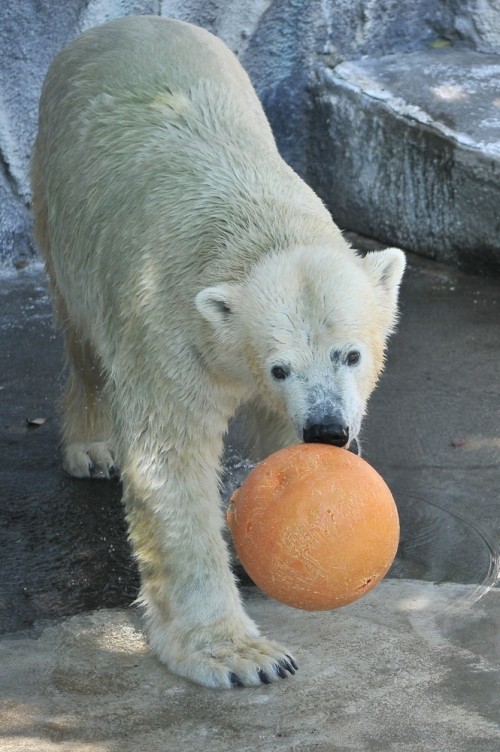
x=314, y=526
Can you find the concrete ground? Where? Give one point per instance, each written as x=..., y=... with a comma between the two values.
x=395, y=671
x=414, y=666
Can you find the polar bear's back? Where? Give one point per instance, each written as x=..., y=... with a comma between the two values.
x=152, y=63
x=153, y=158
x=144, y=53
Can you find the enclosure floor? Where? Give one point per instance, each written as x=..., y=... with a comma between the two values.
x=411, y=666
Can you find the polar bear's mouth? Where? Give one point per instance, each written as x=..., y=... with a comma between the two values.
x=354, y=447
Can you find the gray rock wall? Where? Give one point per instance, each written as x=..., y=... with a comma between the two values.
x=31, y=34
x=421, y=171
x=282, y=43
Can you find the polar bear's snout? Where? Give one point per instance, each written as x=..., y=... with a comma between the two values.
x=331, y=430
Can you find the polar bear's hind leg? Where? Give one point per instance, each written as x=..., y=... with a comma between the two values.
x=86, y=424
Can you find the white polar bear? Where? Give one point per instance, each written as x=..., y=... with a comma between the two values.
x=193, y=272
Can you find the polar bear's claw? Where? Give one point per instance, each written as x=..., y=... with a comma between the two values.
x=246, y=661
x=235, y=680
x=281, y=669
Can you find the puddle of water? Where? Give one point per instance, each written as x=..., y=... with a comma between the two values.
x=440, y=545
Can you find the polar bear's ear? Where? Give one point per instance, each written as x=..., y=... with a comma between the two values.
x=216, y=303
x=386, y=269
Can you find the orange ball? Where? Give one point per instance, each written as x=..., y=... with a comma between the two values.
x=314, y=526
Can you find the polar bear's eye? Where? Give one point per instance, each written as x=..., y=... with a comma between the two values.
x=280, y=373
x=353, y=357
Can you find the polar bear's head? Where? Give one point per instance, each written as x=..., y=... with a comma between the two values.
x=307, y=330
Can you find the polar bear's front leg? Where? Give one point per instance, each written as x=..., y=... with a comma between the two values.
x=197, y=623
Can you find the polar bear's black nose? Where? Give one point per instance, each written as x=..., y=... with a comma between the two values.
x=327, y=433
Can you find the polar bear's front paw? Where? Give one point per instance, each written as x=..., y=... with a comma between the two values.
x=246, y=661
x=90, y=460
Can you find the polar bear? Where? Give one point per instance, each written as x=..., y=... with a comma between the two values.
x=193, y=272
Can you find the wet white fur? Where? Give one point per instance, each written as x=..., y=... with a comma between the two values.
x=186, y=259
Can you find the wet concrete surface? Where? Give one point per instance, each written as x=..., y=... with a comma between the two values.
x=432, y=431
x=64, y=546
x=411, y=667
x=433, y=428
